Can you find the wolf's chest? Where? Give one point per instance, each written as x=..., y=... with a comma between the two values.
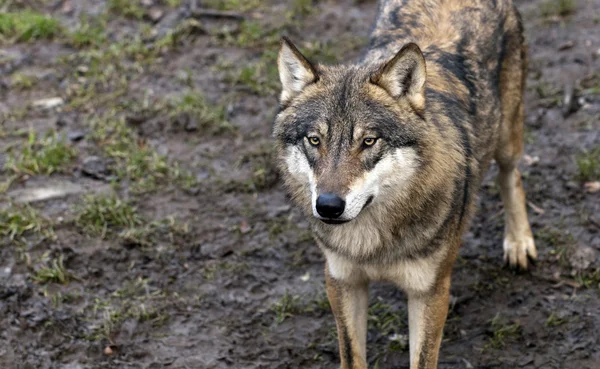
x=415, y=275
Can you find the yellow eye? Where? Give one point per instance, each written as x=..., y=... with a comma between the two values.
x=314, y=141
x=369, y=141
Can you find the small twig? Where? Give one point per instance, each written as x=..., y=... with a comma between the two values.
x=536, y=208
x=495, y=216
x=209, y=13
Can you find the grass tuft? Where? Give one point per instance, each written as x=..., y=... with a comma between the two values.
x=136, y=160
x=27, y=26
x=42, y=155
x=286, y=307
x=237, y=5
x=100, y=213
x=126, y=8
x=588, y=164
x=16, y=221
x=557, y=8
x=502, y=331
x=54, y=271
x=384, y=319
x=90, y=33
x=194, y=106
x=21, y=81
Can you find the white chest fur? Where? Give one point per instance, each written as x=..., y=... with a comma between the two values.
x=414, y=275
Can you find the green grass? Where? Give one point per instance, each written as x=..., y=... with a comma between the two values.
x=259, y=76
x=99, y=214
x=589, y=279
x=384, y=319
x=42, y=155
x=210, y=118
x=252, y=34
x=287, y=307
x=126, y=8
x=17, y=221
x=502, y=331
x=180, y=33
x=90, y=33
x=554, y=321
x=148, y=234
x=588, y=164
x=53, y=272
x=302, y=7
x=21, y=81
x=173, y=3
x=232, y=5
x=136, y=160
x=554, y=8
x=27, y=26
x=114, y=311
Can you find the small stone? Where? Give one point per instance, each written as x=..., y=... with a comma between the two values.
x=573, y=185
x=401, y=339
x=566, y=45
x=582, y=258
x=468, y=365
x=82, y=69
x=530, y=160
x=108, y=351
x=51, y=191
x=94, y=167
x=75, y=136
x=49, y=103
x=67, y=7
x=5, y=272
x=570, y=102
x=245, y=227
x=182, y=75
x=592, y=187
x=191, y=125
x=155, y=14
x=63, y=121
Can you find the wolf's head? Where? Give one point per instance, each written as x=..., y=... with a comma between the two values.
x=349, y=137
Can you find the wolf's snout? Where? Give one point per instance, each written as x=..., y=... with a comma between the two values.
x=330, y=205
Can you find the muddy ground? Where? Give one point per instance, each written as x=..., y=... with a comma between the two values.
x=143, y=224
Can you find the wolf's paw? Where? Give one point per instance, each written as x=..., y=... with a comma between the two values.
x=516, y=251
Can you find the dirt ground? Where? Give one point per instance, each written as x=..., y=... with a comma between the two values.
x=143, y=224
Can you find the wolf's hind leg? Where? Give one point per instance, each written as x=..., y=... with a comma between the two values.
x=518, y=239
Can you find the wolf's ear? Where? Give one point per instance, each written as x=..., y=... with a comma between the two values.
x=404, y=76
x=295, y=71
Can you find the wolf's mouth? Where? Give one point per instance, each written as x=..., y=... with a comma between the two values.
x=334, y=221
x=369, y=201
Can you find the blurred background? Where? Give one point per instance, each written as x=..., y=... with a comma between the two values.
x=143, y=224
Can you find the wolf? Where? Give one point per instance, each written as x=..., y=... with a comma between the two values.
x=385, y=156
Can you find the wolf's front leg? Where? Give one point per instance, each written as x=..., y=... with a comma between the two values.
x=350, y=301
x=426, y=317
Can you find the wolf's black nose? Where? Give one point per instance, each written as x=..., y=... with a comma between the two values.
x=330, y=205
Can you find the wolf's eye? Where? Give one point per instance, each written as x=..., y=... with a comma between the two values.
x=369, y=141
x=314, y=141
